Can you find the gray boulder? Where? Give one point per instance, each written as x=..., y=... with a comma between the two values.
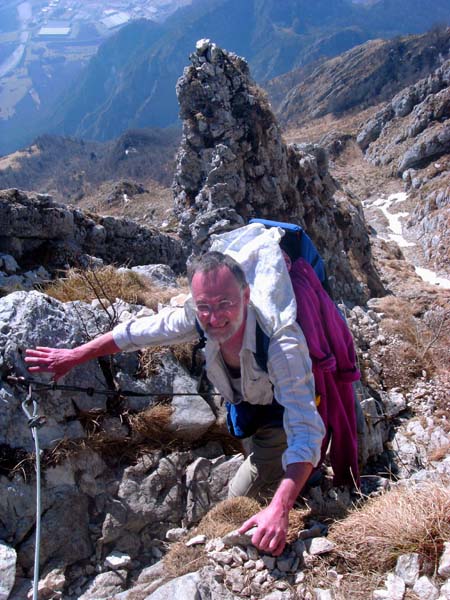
x=8, y=558
x=42, y=232
x=33, y=319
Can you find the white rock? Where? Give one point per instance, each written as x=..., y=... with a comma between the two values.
x=8, y=559
x=234, y=538
x=380, y=595
x=445, y=591
x=252, y=552
x=425, y=589
x=198, y=539
x=320, y=594
x=444, y=563
x=118, y=560
x=9, y=263
x=408, y=568
x=394, y=403
x=52, y=583
x=191, y=416
x=173, y=535
x=395, y=587
x=202, y=45
x=320, y=545
x=223, y=558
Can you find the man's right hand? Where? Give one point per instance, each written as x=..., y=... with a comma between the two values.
x=58, y=361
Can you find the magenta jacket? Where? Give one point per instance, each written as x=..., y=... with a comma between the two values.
x=333, y=358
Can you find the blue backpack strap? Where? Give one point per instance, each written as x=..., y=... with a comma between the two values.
x=198, y=346
x=297, y=244
x=262, y=348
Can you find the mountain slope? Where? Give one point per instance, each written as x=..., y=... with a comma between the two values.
x=274, y=37
x=363, y=76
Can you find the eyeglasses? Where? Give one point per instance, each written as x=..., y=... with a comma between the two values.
x=224, y=306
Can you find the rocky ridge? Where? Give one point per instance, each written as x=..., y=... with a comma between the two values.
x=363, y=76
x=233, y=165
x=410, y=136
x=43, y=236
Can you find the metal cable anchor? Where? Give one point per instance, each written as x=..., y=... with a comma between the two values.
x=34, y=422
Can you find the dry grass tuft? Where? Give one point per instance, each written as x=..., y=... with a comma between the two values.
x=297, y=521
x=227, y=515
x=182, y=559
x=151, y=358
x=152, y=424
x=403, y=520
x=89, y=284
x=419, y=340
x=220, y=520
x=107, y=283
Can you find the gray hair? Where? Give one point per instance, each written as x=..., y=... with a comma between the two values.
x=210, y=261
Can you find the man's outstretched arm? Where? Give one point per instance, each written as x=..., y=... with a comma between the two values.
x=60, y=361
x=273, y=521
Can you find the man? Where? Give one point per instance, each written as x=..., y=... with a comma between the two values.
x=221, y=304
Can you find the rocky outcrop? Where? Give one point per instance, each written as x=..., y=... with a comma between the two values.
x=413, y=128
x=116, y=504
x=233, y=165
x=130, y=501
x=431, y=220
x=36, y=232
x=410, y=136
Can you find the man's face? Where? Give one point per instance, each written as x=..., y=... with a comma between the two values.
x=221, y=303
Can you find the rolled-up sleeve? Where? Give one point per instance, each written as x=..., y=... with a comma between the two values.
x=290, y=372
x=169, y=326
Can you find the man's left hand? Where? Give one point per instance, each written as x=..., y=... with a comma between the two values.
x=272, y=526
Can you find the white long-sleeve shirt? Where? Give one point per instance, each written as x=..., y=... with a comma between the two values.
x=289, y=371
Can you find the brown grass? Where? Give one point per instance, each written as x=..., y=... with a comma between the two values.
x=220, y=520
x=150, y=360
x=107, y=284
x=418, y=340
x=152, y=424
x=403, y=520
x=226, y=516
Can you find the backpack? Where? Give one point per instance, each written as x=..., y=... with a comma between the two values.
x=244, y=419
x=297, y=244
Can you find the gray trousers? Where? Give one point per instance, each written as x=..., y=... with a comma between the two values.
x=261, y=472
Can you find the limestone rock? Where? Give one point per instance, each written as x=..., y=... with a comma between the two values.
x=105, y=586
x=395, y=589
x=444, y=563
x=118, y=560
x=425, y=589
x=51, y=585
x=408, y=568
x=40, y=231
x=319, y=545
x=235, y=538
x=192, y=415
x=33, y=319
x=8, y=558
